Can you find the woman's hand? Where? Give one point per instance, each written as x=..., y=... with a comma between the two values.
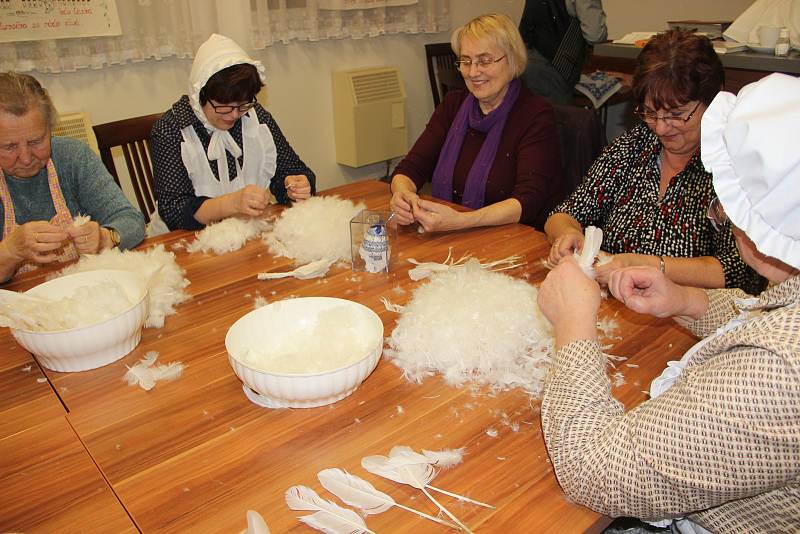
x=564, y=246
x=35, y=241
x=570, y=300
x=435, y=217
x=403, y=204
x=297, y=186
x=250, y=200
x=86, y=237
x=603, y=270
x=648, y=290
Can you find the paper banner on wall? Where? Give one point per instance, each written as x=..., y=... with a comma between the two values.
x=35, y=20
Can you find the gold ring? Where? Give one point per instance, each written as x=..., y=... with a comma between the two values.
x=36, y=236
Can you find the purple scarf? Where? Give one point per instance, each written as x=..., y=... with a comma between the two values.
x=469, y=115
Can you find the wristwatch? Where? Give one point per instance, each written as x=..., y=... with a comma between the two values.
x=115, y=238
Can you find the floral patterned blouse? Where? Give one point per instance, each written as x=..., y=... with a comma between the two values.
x=620, y=195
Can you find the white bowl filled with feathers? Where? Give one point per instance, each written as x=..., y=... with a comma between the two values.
x=81, y=321
x=304, y=352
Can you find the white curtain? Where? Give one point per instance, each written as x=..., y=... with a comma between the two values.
x=151, y=29
x=282, y=21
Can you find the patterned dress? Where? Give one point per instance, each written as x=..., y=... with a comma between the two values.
x=721, y=446
x=620, y=194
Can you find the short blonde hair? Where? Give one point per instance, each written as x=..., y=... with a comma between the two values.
x=20, y=92
x=500, y=29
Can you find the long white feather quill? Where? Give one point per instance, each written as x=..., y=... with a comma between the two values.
x=255, y=524
x=329, y=517
x=358, y=492
x=414, y=474
x=403, y=455
x=592, y=241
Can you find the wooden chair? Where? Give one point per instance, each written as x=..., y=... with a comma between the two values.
x=442, y=72
x=133, y=136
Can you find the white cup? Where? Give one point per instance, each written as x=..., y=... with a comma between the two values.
x=768, y=35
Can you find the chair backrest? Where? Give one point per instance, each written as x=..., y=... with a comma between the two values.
x=133, y=136
x=582, y=138
x=442, y=73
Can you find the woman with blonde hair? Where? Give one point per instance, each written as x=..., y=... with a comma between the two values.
x=493, y=147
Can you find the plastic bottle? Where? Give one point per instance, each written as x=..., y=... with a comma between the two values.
x=782, y=45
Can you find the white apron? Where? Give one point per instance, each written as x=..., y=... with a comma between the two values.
x=258, y=168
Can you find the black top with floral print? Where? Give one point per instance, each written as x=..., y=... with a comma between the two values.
x=620, y=195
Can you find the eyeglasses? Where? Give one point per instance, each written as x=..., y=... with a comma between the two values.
x=483, y=63
x=672, y=118
x=224, y=109
x=716, y=215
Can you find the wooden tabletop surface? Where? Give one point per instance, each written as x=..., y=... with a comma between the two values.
x=85, y=452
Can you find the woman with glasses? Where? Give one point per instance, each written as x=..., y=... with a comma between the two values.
x=717, y=447
x=493, y=147
x=648, y=190
x=217, y=153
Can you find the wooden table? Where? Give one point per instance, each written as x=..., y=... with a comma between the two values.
x=85, y=452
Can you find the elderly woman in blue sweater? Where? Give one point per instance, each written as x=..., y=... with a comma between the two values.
x=46, y=181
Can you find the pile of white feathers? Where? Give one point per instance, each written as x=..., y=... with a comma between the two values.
x=167, y=285
x=315, y=229
x=474, y=325
x=227, y=235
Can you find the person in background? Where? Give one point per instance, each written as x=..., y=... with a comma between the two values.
x=718, y=444
x=493, y=147
x=557, y=34
x=217, y=153
x=46, y=181
x=648, y=190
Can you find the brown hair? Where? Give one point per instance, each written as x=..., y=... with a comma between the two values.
x=237, y=83
x=502, y=31
x=677, y=67
x=20, y=92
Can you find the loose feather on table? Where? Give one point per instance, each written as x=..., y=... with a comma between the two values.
x=315, y=269
x=329, y=516
x=416, y=475
x=426, y=269
x=146, y=373
x=361, y=494
x=255, y=524
x=403, y=455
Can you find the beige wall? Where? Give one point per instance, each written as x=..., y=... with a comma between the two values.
x=298, y=86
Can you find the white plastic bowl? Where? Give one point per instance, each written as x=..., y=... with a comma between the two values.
x=272, y=326
x=88, y=347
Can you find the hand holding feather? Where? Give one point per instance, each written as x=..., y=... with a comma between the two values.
x=570, y=300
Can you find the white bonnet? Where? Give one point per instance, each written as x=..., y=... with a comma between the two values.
x=750, y=142
x=217, y=53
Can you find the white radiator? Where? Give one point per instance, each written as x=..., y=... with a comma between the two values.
x=78, y=126
x=369, y=116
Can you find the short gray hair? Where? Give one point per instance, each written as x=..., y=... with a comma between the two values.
x=20, y=92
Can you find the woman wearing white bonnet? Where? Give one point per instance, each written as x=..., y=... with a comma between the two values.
x=717, y=447
x=217, y=153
